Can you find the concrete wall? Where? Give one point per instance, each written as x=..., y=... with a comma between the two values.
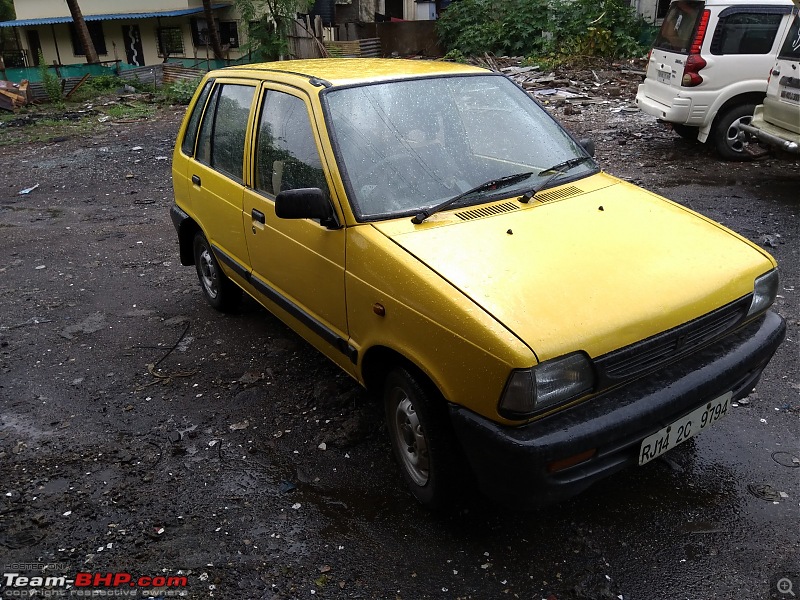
x=38, y=9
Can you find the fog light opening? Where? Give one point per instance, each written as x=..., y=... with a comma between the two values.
x=566, y=463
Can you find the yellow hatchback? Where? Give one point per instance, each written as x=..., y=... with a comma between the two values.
x=523, y=316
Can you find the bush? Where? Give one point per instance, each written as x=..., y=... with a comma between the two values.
x=499, y=26
x=607, y=28
x=180, y=92
x=51, y=84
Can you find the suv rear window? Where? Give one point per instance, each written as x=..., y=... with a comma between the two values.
x=678, y=27
x=791, y=45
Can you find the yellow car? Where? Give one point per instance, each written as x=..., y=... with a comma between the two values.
x=433, y=231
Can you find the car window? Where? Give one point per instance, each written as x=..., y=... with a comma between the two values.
x=745, y=33
x=286, y=157
x=791, y=45
x=678, y=27
x=222, y=134
x=190, y=137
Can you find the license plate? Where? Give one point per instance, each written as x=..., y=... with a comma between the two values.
x=684, y=428
x=664, y=76
x=790, y=96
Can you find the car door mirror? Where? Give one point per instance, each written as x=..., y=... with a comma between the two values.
x=306, y=203
x=588, y=145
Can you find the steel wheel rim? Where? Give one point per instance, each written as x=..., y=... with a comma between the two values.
x=735, y=137
x=409, y=438
x=208, y=273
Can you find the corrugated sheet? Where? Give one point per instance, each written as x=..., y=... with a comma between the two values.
x=126, y=16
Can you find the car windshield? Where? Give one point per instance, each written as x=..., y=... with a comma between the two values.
x=406, y=145
x=678, y=27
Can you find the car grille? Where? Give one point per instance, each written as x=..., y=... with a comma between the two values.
x=664, y=348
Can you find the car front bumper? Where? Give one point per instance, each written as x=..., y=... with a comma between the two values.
x=511, y=463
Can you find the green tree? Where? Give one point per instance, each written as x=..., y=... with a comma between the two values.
x=7, y=10
x=270, y=23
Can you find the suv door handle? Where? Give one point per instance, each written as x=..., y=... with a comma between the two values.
x=196, y=180
x=257, y=216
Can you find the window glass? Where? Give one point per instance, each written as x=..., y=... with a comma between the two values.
x=287, y=156
x=745, y=33
x=230, y=127
x=791, y=45
x=400, y=151
x=678, y=27
x=203, y=152
x=190, y=136
x=221, y=141
x=169, y=41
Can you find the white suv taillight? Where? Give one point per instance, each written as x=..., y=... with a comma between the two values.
x=695, y=62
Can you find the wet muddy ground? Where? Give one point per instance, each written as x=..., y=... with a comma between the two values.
x=142, y=432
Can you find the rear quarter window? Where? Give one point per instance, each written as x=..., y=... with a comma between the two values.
x=790, y=50
x=745, y=33
x=190, y=137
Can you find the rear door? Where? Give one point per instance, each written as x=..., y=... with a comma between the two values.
x=670, y=50
x=298, y=264
x=216, y=172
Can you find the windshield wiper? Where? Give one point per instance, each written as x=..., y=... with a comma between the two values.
x=492, y=184
x=557, y=170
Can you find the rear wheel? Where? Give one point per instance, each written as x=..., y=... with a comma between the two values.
x=422, y=438
x=220, y=292
x=730, y=141
x=687, y=132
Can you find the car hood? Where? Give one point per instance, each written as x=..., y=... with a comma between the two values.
x=594, y=271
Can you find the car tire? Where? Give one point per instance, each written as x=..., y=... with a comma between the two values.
x=422, y=438
x=687, y=132
x=730, y=142
x=220, y=292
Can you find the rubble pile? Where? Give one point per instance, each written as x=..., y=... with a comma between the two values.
x=14, y=95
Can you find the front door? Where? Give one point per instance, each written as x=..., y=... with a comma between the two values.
x=134, y=53
x=297, y=264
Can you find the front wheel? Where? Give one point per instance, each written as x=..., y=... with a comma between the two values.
x=730, y=141
x=220, y=292
x=422, y=438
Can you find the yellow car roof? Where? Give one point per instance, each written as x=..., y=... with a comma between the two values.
x=346, y=71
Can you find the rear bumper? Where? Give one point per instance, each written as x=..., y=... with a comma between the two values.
x=770, y=134
x=510, y=464
x=679, y=110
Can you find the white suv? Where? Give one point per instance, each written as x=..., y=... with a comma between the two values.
x=777, y=121
x=707, y=69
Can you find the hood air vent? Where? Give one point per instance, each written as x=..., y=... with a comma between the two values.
x=486, y=211
x=559, y=194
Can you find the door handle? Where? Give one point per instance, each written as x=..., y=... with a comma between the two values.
x=196, y=180
x=257, y=216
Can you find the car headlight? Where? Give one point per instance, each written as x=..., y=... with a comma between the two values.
x=548, y=384
x=765, y=290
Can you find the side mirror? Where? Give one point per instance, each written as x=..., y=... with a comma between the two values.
x=588, y=145
x=305, y=203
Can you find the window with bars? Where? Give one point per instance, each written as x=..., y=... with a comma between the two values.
x=169, y=41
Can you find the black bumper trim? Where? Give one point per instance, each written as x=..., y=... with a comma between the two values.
x=510, y=463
